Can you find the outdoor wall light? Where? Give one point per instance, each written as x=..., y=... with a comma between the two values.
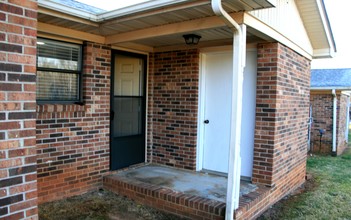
x=191, y=39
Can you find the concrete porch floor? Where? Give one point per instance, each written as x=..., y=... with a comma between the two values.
x=193, y=195
x=201, y=184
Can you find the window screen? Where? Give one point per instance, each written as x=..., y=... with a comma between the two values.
x=58, y=71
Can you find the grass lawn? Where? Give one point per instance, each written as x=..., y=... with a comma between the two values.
x=327, y=194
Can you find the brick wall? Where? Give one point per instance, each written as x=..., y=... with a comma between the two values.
x=341, y=143
x=282, y=111
x=322, y=113
x=18, y=197
x=73, y=140
x=322, y=104
x=173, y=106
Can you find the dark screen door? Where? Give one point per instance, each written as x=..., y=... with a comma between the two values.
x=128, y=111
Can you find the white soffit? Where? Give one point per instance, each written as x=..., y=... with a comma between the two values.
x=318, y=28
x=142, y=16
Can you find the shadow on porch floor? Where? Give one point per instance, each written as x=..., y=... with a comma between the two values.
x=195, y=195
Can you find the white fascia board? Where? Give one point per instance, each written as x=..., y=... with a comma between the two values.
x=149, y=5
x=67, y=10
x=323, y=53
x=327, y=29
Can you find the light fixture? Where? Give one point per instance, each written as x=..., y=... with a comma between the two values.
x=191, y=39
x=40, y=43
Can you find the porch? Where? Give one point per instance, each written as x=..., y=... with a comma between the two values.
x=195, y=195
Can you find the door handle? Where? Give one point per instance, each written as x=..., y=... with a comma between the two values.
x=206, y=121
x=112, y=115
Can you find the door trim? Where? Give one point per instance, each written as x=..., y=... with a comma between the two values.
x=145, y=57
x=201, y=105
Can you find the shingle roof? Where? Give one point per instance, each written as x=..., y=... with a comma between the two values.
x=81, y=6
x=331, y=78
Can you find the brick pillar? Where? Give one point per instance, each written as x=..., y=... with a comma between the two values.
x=341, y=143
x=18, y=176
x=282, y=111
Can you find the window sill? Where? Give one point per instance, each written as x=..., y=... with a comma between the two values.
x=62, y=107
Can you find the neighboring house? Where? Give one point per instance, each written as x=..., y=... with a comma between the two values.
x=330, y=101
x=84, y=93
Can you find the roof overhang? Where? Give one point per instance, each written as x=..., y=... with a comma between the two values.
x=147, y=26
x=157, y=24
x=329, y=90
x=315, y=19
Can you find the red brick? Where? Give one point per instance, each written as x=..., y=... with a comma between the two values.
x=21, y=133
x=11, y=9
x=2, y=16
x=9, y=144
x=13, y=19
x=27, y=4
x=10, y=106
x=19, y=96
x=23, y=59
x=9, y=125
x=10, y=28
x=31, y=13
x=23, y=205
x=29, y=68
x=30, y=51
x=10, y=163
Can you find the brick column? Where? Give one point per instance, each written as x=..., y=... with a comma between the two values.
x=341, y=143
x=18, y=185
x=282, y=111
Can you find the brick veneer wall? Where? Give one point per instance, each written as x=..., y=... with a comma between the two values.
x=73, y=140
x=341, y=143
x=282, y=111
x=322, y=113
x=173, y=106
x=18, y=196
x=322, y=104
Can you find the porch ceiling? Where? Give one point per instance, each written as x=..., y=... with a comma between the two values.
x=140, y=27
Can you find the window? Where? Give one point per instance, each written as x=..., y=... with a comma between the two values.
x=59, y=67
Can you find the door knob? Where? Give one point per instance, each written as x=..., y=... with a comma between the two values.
x=206, y=121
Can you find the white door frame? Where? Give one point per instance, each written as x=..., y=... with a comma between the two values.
x=201, y=105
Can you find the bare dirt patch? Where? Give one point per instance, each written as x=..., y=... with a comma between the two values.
x=100, y=205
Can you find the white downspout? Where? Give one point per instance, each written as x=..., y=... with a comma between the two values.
x=234, y=164
x=334, y=122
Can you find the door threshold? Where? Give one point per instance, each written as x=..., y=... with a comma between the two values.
x=217, y=173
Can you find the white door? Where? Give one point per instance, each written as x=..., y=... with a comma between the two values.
x=217, y=91
x=217, y=108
